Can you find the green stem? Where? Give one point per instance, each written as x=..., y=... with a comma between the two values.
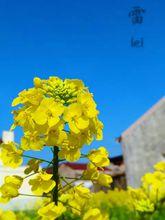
x=30, y=175
x=21, y=194
x=63, y=188
x=55, y=174
x=70, y=178
x=68, y=183
x=61, y=160
x=70, y=206
x=84, y=155
x=45, y=168
x=36, y=158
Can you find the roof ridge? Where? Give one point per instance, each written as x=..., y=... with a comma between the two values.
x=144, y=116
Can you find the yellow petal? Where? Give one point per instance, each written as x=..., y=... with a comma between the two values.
x=16, y=101
x=82, y=122
x=53, y=121
x=40, y=117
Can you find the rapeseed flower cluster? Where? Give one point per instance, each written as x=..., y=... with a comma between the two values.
x=51, y=211
x=42, y=183
x=10, y=188
x=152, y=190
x=62, y=115
x=144, y=200
x=95, y=214
x=57, y=113
x=10, y=155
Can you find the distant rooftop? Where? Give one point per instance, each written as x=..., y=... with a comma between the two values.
x=142, y=119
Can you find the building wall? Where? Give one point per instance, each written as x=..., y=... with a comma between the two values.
x=144, y=144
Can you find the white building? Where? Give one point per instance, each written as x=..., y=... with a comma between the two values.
x=143, y=143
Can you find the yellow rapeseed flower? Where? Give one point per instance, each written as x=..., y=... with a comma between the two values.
x=42, y=183
x=160, y=166
x=73, y=114
x=91, y=173
x=104, y=179
x=56, y=135
x=27, y=97
x=87, y=104
x=51, y=211
x=99, y=157
x=95, y=214
x=32, y=165
x=7, y=215
x=31, y=141
x=48, y=112
x=154, y=185
x=53, y=109
x=76, y=197
x=10, y=188
x=10, y=155
x=70, y=147
x=23, y=118
x=144, y=205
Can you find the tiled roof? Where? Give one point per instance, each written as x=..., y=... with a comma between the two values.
x=75, y=166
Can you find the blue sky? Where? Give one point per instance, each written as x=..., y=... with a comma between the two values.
x=89, y=40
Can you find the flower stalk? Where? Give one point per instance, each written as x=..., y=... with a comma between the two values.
x=55, y=174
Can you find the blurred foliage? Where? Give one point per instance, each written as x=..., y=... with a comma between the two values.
x=115, y=213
